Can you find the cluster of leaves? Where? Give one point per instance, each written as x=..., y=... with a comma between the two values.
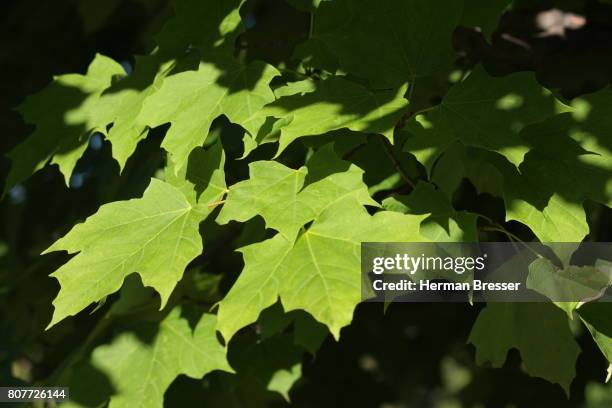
x=318, y=138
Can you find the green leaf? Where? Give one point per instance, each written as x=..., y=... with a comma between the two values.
x=202, y=181
x=205, y=25
x=283, y=379
x=320, y=272
x=272, y=192
x=445, y=223
x=593, y=120
x=389, y=42
x=335, y=103
x=598, y=319
x=482, y=111
x=122, y=102
x=320, y=98
x=125, y=237
x=156, y=235
x=558, y=221
x=273, y=321
x=257, y=286
x=568, y=286
x=314, y=54
x=272, y=364
x=276, y=192
x=62, y=115
x=568, y=160
x=309, y=333
x=294, y=88
x=540, y=332
x=191, y=100
x=386, y=167
x=141, y=364
x=551, y=217
x=210, y=26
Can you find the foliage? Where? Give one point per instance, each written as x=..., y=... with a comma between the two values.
x=243, y=181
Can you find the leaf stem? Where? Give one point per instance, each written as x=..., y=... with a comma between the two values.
x=410, y=90
x=294, y=72
x=513, y=238
x=427, y=109
x=389, y=150
x=216, y=203
x=503, y=231
x=311, y=27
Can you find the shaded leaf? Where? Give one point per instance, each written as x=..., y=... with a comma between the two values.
x=62, y=114
x=336, y=103
x=445, y=223
x=540, y=332
x=191, y=100
x=389, y=42
x=141, y=364
x=483, y=14
x=482, y=111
